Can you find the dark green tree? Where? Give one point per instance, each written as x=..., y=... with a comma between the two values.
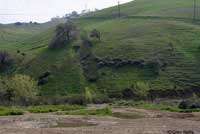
x=62, y=36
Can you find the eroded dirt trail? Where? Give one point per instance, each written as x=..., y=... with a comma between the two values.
x=154, y=122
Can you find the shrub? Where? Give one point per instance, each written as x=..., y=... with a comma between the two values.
x=138, y=90
x=86, y=42
x=5, y=60
x=128, y=93
x=16, y=112
x=100, y=99
x=43, y=79
x=183, y=105
x=25, y=88
x=6, y=93
x=76, y=99
x=192, y=103
x=94, y=96
x=19, y=89
x=10, y=111
x=88, y=95
x=95, y=34
x=141, y=89
x=155, y=64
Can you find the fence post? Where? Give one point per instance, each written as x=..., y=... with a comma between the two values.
x=194, y=10
x=119, y=10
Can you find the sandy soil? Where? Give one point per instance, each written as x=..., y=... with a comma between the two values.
x=154, y=122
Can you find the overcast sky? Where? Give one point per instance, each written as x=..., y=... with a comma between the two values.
x=43, y=10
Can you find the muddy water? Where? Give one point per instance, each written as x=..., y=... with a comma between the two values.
x=51, y=123
x=73, y=124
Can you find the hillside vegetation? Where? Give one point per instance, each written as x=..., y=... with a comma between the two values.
x=152, y=51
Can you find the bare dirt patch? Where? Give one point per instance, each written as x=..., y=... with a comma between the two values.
x=153, y=122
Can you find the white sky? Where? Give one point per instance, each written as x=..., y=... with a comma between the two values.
x=42, y=10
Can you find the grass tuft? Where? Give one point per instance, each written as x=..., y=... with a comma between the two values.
x=10, y=111
x=53, y=108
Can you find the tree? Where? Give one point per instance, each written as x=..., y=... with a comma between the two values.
x=83, y=12
x=18, y=23
x=74, y=14
x=67, y=16
x=63, y=32
x=119, y=10
x=55, y=18
x=21, y=89
x=95, y=34
x=68, y=28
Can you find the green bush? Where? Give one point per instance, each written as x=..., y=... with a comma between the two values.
x=92, y=95
x=10, y=111
x=88, y=95
x=53, y=108
x=141, y=89
x=19, y=89
x=193, y=103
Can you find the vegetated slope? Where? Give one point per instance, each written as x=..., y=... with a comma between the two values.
x=170, y=45
x=66, y=73
x=140, y=54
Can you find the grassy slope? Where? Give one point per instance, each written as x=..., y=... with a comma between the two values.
x=148, y=39
x=66, y=74
x=13, y=36
x=135, y=38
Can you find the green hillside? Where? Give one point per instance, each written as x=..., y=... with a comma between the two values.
x=155, y=51
x=12, y=35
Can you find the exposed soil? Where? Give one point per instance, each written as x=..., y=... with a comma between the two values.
x=152, y=122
